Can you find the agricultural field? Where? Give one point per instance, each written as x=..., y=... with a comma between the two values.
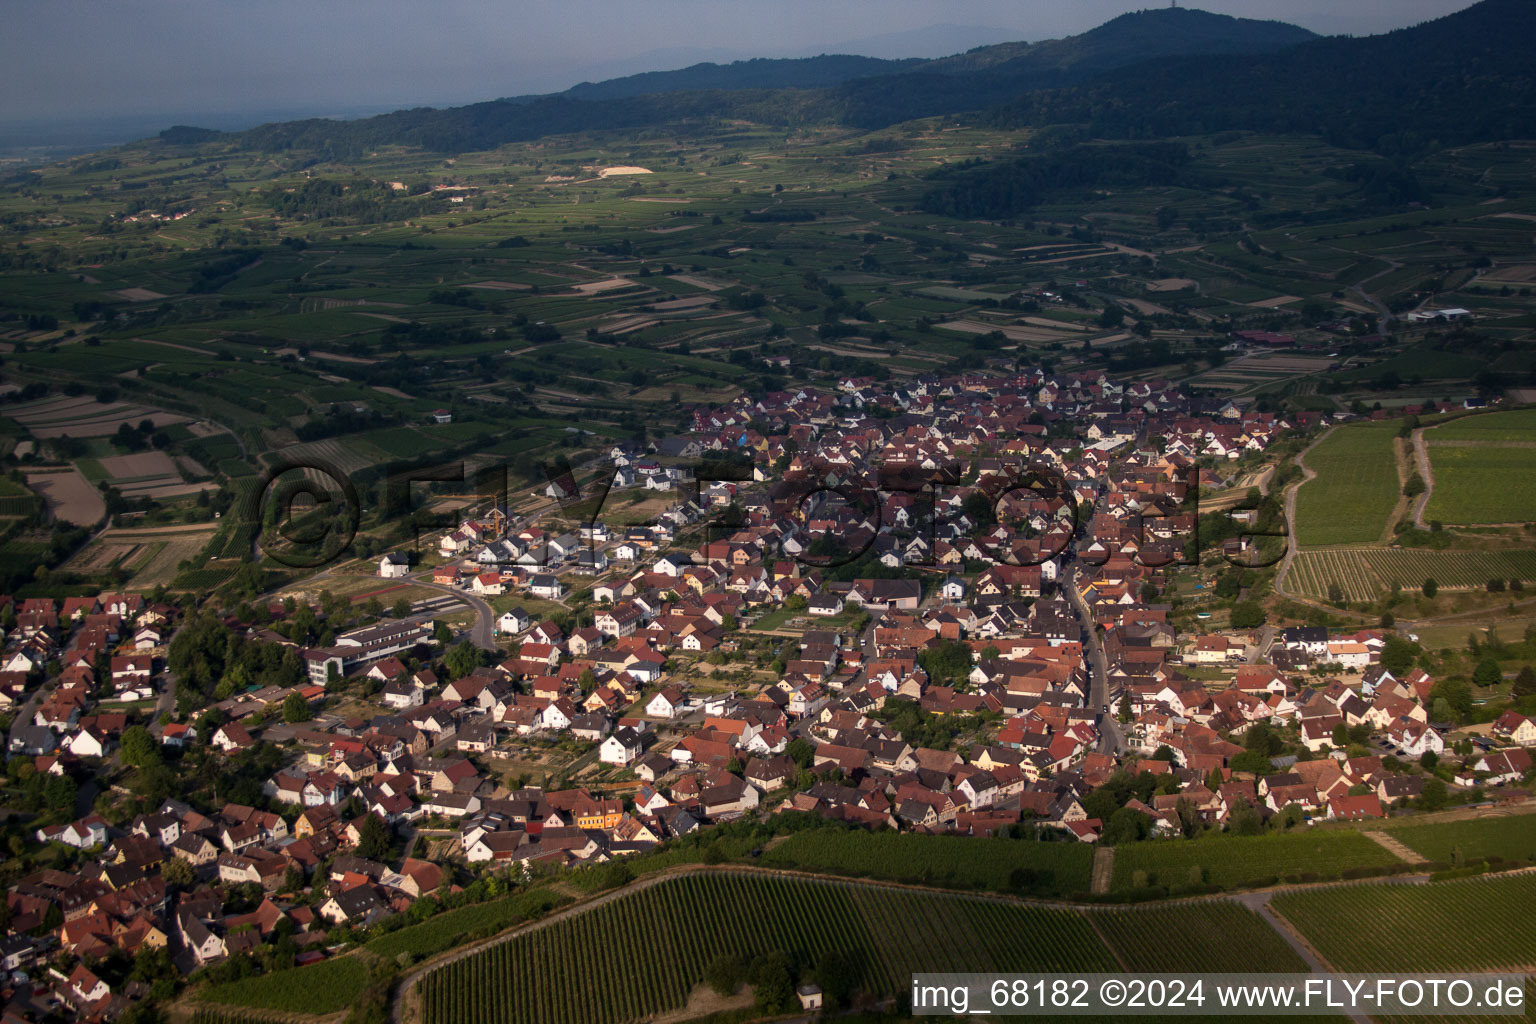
x=1512, y=838
x=1366, y=573
x=15, y=498
x=1235, y=862
x=1471, y=924
x=1355, y=489
x=69, y=496
x=1509, y=425
x=950, y=861
x=1218, y=935
x=455, y=927
x=683, y=923
x=325, y=987
x=1479, y=483
x=152, y=555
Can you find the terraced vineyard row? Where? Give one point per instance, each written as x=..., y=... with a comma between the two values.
x=1211, y=935
x=1246, y=861
x=1355, y=489
x=1365, y=573
x=1466, y=925
x=644, y=952
x=1314, y=572
x=1512, y=838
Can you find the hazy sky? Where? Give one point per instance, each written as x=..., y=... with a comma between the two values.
x=82, y=58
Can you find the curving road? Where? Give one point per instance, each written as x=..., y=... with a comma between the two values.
x=483, y=632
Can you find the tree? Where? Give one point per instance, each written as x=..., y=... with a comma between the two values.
x=1430, y=588
x=1525, y=683
x=1487, y=672
x=59, y=792
x=1124, y=826
x=177, y=872
x=462, y=659
x=836, y=973
x=373, y=838
x=442, y=633
x=1341, y=735
x=724, y=974
x=1397, y=654
x=1125, y=707
x=296, y=708
x=949, y=659
x=1244, y=820
x=1435, y=795
x=1254, y=761
x=801, y=752
x=139, y=748
x=773, y=982
x=401, y=608
x=1261, y=737
x=1247, y=615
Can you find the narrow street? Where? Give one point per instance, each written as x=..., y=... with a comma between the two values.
x=1111, y=735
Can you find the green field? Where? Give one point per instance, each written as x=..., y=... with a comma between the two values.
x=1512, y=838
x=1477, y=484
x=959, y=862
x=1216, y=935
x=326, y=987
x=1509, y=425
x=1234, y=862
x=642, y=953
x=1355, y=489
x=455, y=927
x=1470, y=924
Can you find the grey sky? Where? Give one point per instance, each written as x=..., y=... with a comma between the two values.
x=82, y=58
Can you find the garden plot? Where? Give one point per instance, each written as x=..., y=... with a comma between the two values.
x=86, y=417
x=69, y=496
x=1009, y=331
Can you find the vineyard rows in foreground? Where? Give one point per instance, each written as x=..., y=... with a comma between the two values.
x=644, y=952
x=1364, y=574
x=1475, y=924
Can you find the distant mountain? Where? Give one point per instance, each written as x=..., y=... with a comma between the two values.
x=1154, y=73
x=1129, y=39
x=761, y=73
x=1466, y=77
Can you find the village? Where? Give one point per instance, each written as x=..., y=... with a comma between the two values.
x=943, y=607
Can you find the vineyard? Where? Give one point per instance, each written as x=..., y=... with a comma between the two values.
x=1510, y=425
x=1468, y=925
x=329, y=986
x=1054, y=869
x=643, y=952
x=1355, y=489
x=1365, y=573
x=455, y=927
x=1512, y=838
x=1243, y=861
x=1482, y=483
x=210, y=1015
x=1213, y=935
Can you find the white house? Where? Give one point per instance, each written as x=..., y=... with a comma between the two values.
x=825, y=604
x=1349, y=654
x=546, y=586
x=394, y=565
x=668, y=703
x=513, y=621
x=620, y=748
